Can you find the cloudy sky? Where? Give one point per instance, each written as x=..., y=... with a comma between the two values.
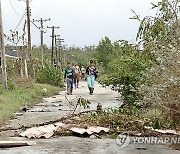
x=82, y=22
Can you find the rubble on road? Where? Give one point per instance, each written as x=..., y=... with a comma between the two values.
x=173, y=132
x=48, y=131
x=9, y=144
x=90, y=130
x=81, y=131
x=37, y=132
x=97, y=129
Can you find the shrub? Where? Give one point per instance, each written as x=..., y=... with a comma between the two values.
x=124, y=69
x=11, y=85
x=49, y=75
x=161, y=35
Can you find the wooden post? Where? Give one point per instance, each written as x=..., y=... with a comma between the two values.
x=3, y=58
x=21, y=68
x=29, y=29
x=53, y=35
x=34, y=71
x=41, y=35
x=25, y=68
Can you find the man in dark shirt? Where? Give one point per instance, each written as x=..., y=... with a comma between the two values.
x=68, y=78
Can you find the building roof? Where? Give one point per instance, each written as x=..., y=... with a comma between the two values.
x=14, y=54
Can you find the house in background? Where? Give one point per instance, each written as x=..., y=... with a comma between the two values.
x=14, y=52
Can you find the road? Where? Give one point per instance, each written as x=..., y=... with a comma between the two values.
x=58, y=106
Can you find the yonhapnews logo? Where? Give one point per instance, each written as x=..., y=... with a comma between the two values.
x=123, y=140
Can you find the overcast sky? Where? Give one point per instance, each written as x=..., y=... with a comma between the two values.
x=82, y=22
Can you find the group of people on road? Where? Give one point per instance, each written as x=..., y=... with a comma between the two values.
x=73, y=74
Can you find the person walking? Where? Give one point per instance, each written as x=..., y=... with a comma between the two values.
x=83, y=71
x=77, y=75
x=69, y=78
x=91, y=72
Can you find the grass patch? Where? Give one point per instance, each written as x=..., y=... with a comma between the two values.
x=12, y=100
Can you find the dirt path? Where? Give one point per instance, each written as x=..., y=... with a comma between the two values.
x=58, y=106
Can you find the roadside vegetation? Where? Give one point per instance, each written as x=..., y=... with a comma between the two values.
x=145, y=74
x=28, y=85
x=13, y=100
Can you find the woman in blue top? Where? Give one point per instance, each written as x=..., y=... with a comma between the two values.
x=91, y=72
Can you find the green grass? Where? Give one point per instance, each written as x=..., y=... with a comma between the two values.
x=12, y=100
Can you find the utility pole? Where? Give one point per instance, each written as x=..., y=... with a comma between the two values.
x=56, y=39
x=60, y=51
x=52, y=54
x=3, y=58
x=28, y=29
x=41, y=34
x=64, y=51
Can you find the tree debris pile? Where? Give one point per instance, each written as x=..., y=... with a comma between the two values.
x=97, y=124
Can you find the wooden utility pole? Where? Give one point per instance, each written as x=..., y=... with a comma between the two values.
x=52, y=54
x=41, y=34
x=56, y=41
x=3, y=58
x=60, y=51
x=28, y=28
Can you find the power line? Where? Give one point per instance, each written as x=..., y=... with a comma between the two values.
x=16, y=4
x=17, y=13
x=15, y=29
x=19, y=22
x=34, y=24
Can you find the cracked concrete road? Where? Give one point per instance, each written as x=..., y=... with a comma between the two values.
x=57, y=107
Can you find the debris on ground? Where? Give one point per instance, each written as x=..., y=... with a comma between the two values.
x=48, y=131
x=37, y=132
x=81, y=131
x=9, y=144
x=175, y=146
x=141, y=148
x=169, y=131
x=97, y=129
x=90, y=130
